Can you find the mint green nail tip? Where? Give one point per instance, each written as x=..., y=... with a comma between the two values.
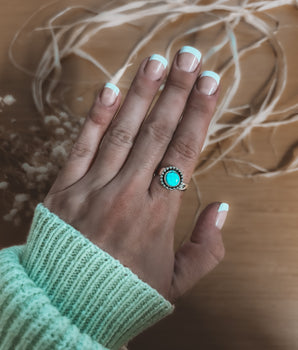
x=113, y=87
x=191, y=50
x=209, y=73
x=223, y=207
x=160, y=59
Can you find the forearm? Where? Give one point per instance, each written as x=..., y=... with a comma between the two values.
x=62, y=289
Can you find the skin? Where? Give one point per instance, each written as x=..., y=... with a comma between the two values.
x=107, y=191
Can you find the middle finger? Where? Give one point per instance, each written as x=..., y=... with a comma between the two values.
x=157, y=130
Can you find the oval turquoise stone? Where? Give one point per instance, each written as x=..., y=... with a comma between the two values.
x=172, y=178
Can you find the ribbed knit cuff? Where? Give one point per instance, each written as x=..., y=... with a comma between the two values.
x=94, y=290
x=28, y=319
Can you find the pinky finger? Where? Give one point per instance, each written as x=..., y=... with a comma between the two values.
x=85, y=147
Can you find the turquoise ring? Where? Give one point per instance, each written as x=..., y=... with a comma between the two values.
x=172, y=178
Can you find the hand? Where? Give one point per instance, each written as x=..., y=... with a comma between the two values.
x=107, y=191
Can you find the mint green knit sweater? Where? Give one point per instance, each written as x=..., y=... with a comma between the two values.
x=60, y=291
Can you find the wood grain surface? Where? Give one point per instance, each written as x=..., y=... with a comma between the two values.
x=250, y=301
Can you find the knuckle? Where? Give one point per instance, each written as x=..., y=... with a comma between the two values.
x=80, y=150
x=142, y=88
x=159, y=132
x=179, y=85
x=96, y=117
x=217, y=252
x=97, y=114
x=203, y=107
x=187, y=149
x=120, y=137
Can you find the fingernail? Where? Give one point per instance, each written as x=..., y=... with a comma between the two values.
x=208, y=82
x=155, y=66
x=222, y=213
x=109, y=94
x=189, y=58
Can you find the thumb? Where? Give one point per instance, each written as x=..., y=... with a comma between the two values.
x=202, y=252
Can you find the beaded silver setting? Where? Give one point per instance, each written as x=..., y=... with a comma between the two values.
x=163, y=172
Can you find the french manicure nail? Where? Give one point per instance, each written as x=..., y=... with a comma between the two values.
x=222, y=213
x=189, y=58
x=109, y=94
x=208, y=82
x=155, y=66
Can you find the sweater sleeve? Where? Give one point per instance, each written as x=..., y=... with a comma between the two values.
x=60, y=291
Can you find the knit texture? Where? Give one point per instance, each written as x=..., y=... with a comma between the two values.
x=28, y=320
x=60, y=281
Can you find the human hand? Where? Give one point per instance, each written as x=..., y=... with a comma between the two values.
x=107, y=191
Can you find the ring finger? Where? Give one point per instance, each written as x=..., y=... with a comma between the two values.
x=188, y=140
